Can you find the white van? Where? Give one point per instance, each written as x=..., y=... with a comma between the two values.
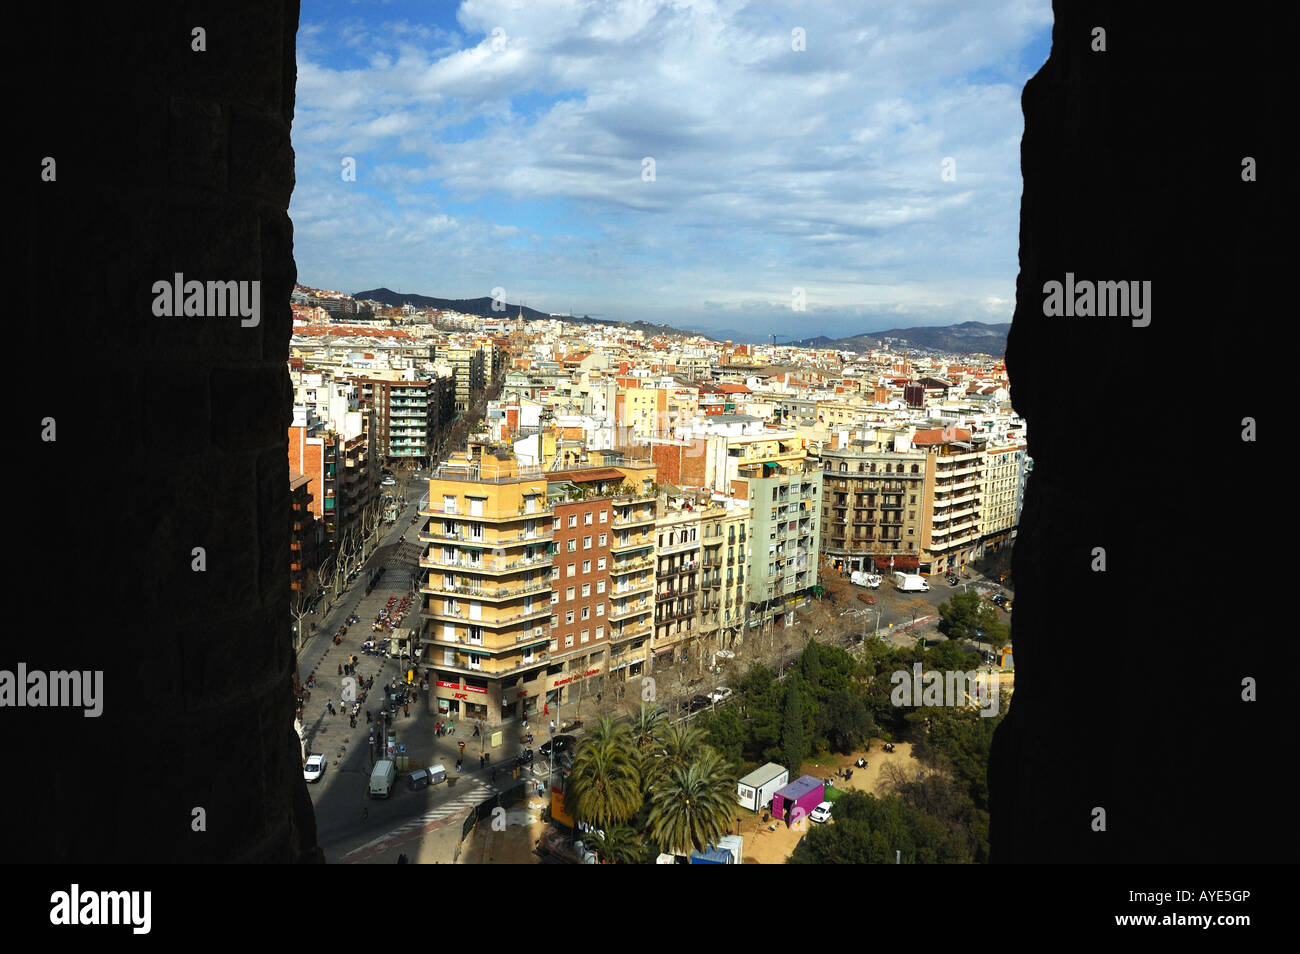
x=382, y=777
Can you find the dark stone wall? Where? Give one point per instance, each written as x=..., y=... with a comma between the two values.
x=1129, y=682
x=171, y=434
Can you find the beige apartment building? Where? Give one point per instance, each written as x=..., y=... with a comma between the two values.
x=490, y=643
x=677, y=578
x=872, y=507
x=999, y=494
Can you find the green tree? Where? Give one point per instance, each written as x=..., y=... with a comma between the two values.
x=845, y=722
x=810, y=666
x=868, y=830
x=950, y=655
x=794, y=744
x=965, y=615
x=725, y=730
x=760, y=701
x=677, y=745
x=692, y=806
x=644, y=723
x=619, y=845
x=604, y=787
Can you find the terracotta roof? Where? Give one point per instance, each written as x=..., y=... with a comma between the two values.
x=939, y=435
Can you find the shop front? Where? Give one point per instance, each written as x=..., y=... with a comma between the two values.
x=457, y=699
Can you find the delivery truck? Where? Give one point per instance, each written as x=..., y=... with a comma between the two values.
x=382, y=778
x=911, y=582
x=862, y=578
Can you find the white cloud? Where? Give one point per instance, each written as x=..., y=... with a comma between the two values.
x=822, y=165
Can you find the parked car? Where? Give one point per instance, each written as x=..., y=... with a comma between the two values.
x=562, y=743
x=720, y=694
x=952, y=579
x=822, y=813
x=697, y=703
x=314, y=768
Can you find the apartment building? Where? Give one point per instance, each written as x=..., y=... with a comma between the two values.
x=518, y=610
x=469, y=371
x=306, y=533
x=410, y=416
x=781, y=556
x=677, y=579
x=581, y=575
x=1000, y=494
x=724, y=531
x=632, y=574
x=872, y=505
x=485, y=587
x=344, y=470
x=951, y=505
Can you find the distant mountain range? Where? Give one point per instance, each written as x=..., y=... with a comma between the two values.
x=482, y=308
x=969, y=337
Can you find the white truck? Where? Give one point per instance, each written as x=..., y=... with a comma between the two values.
x=382, y=778
x=862, y=578
x=911, y=582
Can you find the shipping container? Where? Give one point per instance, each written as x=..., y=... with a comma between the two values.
x=756, y=789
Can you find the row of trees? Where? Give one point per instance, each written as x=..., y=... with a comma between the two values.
x=650, y=786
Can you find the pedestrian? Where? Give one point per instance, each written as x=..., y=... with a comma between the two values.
x=368, y=719
x=462, y=745
x=330, y=706
x=406, y=711
x=552, y=727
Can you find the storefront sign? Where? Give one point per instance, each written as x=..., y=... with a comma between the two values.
x=568, y=679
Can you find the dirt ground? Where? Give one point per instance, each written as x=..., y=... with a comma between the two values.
x=765, y=847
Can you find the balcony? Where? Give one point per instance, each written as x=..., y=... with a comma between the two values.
x=632, y=517
x=632, y=566
x=433, y=584
x=434, y=609
x=631, y=609
x=680, y=547
x=634, y=587
x=630, y=542
x=500, y=515
x=434, y=559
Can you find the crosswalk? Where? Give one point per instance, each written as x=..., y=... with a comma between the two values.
x=449, y=812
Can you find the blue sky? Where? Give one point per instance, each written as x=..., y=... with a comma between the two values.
x=502, y=144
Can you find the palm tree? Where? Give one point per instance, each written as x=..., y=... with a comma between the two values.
x=676, y=745
x=644, y=724
x=692, y=806
x=604, y=787
x=619, y=845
